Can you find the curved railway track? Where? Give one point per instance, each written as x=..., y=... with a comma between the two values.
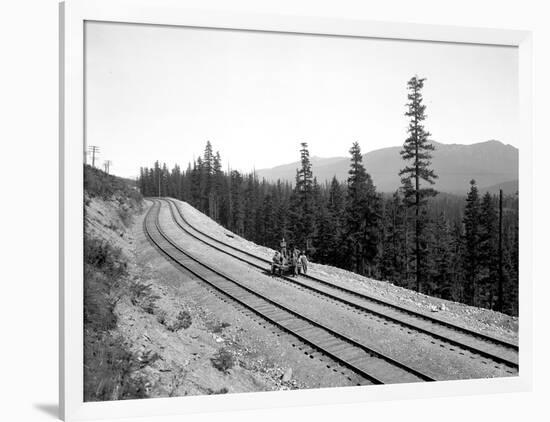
x=372, y=365
x=482, y=345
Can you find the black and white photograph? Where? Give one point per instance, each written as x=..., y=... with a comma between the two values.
x=268, y=211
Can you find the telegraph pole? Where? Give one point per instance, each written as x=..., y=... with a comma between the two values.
x=500, y=270
x=94, y=150
x=107, y=165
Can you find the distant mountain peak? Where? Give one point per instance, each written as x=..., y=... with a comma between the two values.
x=489, y=162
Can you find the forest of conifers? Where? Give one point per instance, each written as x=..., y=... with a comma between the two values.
x=440, y=244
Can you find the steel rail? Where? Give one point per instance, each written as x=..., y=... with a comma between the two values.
x=367, y=349
x=457, y=343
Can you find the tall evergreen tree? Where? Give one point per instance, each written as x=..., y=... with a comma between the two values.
x=362, y=215
x=216, y=187
x=237, y=202
x=251, y=202
x=439, y=259
x=302, y=206
x=471, y=243
x=282, y=195
x=488, y=252
x=269, y=236
x=417, y=151
x=202, y=175
x=511, y=290
x=394, y=254
x=336, y=203
x=208, y=180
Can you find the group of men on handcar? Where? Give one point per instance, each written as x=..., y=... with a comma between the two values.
x=291, y=262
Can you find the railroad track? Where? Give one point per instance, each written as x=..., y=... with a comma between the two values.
x=370, y=364
x=455, y=336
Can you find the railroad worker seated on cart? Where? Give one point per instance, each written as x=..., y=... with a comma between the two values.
x=277, y=262
x=283, y=247
x=295, y=261
x=303, y=262
x=284, y=261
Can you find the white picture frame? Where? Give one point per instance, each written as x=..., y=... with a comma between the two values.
x=73, y=15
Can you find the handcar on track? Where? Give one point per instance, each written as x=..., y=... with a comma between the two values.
x=285, y=266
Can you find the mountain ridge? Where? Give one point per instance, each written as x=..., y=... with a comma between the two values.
x=489, y=162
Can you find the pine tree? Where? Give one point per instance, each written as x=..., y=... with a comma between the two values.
x=237, y=203
x=302, y=208
x=417, y=150
x=269, y=237
x=152, y=184
x=195, y=193
x=318, y=235
x=208, y=180
x=488, y=252
x=251, y=201
x=164, y=180
x=335, y=206
x=202, y=171
x=439, y=259
x=457, y=262
x=157, y=179
x=143, y=181
x=324, y=236
x=394, y=257
x=362, y=215
x=175, y=182
x=216, y=188
x=187, y=185
x=208, y=158
x=511, y=290
x=282, y=213
x=471, y=243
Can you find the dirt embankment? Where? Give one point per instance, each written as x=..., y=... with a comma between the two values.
x=143, y=337
x=170, y=344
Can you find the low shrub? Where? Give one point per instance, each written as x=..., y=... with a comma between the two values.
x=178, y=377
x=125, y=216
x=98, y=303
x=141, y=294
x=183, y=321
x=97, y=183
x=103, y=267
x=219, y=327
x=162, y=318
x=223, y=361
x=148, y=358
x=104, y=257
x=222, y=390
x=109, y=369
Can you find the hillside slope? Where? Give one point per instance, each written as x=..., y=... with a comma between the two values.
x=148, y=330
x=489, y=163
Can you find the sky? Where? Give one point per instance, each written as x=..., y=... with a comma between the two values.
x=159, y=93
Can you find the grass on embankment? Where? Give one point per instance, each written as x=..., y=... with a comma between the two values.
x=111, y=370
x=108, y=366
